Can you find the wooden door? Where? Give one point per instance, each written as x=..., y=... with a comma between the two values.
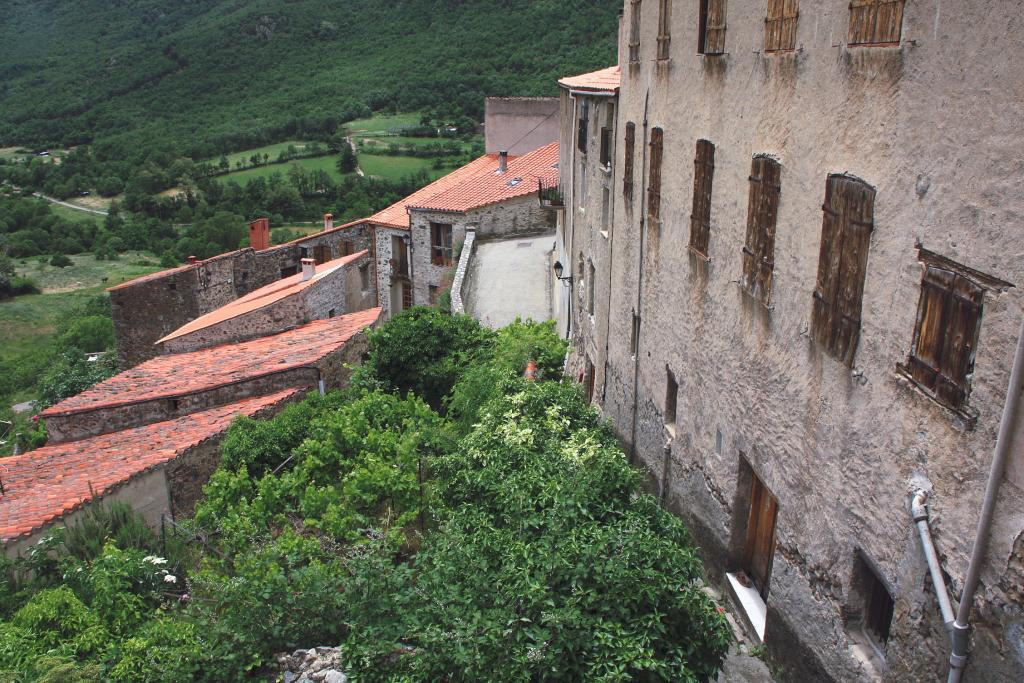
x=760, y=545
x=406, y=296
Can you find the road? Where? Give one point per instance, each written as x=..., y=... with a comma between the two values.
x=510, y=278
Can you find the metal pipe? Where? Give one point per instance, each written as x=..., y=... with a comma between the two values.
x=1007, y=426
x=919, y=509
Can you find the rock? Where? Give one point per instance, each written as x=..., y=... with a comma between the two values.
x=290, y=676
x=334, y=676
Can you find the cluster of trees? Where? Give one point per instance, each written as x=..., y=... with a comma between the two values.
x=441, y=519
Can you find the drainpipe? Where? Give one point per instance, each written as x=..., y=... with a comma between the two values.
x=919, y=509
x=1007, y=425
x=640, y=275
x=570, y=212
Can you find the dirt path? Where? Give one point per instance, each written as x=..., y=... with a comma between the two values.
x=352, y=144
x=96, y=212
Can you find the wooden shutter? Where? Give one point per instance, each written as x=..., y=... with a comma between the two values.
x=634, y=31
x=627, y=172
x=606, y=146
x=760, y=544
x=713, y=33
x=654, y=182
x=700, y=218
x=842, y=265
x=780, y=25
x=948, y=322
x=664, y=28
x=321, y=253
x=762, y=217
x=581, y=139
x=875, y=22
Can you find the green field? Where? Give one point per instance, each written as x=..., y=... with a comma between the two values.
x=325, y=163
x=382, y=124
x=86, y=273
x=272, y=150
x=394, y=168
x=73, y=214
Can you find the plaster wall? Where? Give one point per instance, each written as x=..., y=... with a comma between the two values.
x=519, y=125
x=926, y=123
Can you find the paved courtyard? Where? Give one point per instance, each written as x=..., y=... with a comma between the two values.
x=510, y=278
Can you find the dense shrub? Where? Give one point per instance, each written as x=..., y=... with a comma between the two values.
x=61, y=261
x=73, y=373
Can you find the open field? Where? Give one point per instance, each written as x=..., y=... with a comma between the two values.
x=86, y=274
x=382, y=124
x=325, y=163
x=272, y=150
x=70, y=214
x=393, y=168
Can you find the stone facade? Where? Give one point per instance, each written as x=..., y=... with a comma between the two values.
x=838, y=446
x=151, y=307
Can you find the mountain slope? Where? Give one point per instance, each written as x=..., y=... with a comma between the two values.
x=197, y=72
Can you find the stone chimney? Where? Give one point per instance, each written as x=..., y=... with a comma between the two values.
x=328, y=221
x=308, y=268
x=502, y=161
x=259, y=234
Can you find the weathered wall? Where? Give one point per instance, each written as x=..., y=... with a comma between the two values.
x=388, y=282
x=519, y=125
x=838, y=451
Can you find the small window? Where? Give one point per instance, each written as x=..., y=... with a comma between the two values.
x=875, y=22
x=173, y=286
x=941, y=359
x=654, y=182
x=406, y=295
x=762, y=215
x=591, y=286
x=322, y=253
x=627, y=172
x=584, y=122
x=330, y=313
x=303, y=252
x=364, y=277
x=700, y=218
x=780, y=25
x=842, y=265
x=671, y=395
x=664, y=28
x=432, y=294
x=173, y=405
x=634, y=32
x=634, y=337
x=871, y=606
x=606, y=147
x=441, y=244
x=711, y=27
x=347, y=248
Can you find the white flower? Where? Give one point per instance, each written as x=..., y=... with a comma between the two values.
x=153, y=559
x=171, y=578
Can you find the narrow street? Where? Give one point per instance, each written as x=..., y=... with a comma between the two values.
x=510, y=278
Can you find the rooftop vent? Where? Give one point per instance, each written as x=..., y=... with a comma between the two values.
x=502, y=161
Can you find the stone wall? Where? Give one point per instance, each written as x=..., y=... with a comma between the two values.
x=838, y=447
x=388, y=281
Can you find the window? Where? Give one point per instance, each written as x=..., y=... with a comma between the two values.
x=406, y=295
x=627, y=172
x=432, y=294
x=762, y=214
x=780, y=25
x=322, y=253
x=364, y=277
x=581, y=133
x=759, y=546
x=330, y=313
x=173, y=286
x=941, y=359
x=871, y=605
x=441, y=244
x=711, y=27
x=606, y=147
x=606, y=200
x=875, y=22
x=591, y=286
x=634, y=32
x=842, y=265
x=664, y=27
x=700, y=218
x=347, y=248
x=303, y=252
x=634, y=337
x=671, y=395
x=654, y=182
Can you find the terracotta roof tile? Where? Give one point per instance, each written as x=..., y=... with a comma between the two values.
x=605, y=80
x=44, y=484
x=187, y=373
x=477, y=184
x=264, y=296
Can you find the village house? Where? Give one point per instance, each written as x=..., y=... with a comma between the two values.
x=792, y=281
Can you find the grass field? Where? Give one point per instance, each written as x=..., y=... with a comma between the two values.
x=326, y=163
x=272, y=150
x=382, y=124
x=393, y=168
x=86, y=274
x=73, y=214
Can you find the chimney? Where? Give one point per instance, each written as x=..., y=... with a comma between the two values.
x=328, y=221
x=308, y=268
x=502, y=161
x=193, y=259
x=259, y=234
x=531, y=370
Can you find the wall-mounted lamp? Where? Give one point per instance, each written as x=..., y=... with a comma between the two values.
x=559, y=269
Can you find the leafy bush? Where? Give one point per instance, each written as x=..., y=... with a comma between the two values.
x=90, y=333
x=61, y=261
x=85, y=538
x=73, y=374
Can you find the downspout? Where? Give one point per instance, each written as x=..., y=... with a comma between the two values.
x=1007, y=425
x=919, y=510
x=640, y=276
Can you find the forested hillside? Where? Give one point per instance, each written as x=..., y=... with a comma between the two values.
x=209, y=76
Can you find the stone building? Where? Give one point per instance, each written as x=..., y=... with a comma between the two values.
x=170, y=386
x=416, y=238
x=333, y=288
x=159, y=469
x=519, y=125
x=151, y=307
x=804, y=313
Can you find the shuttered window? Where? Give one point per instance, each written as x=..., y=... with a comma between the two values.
x=711, y=27
x=441, y=244
x=875, y=22
x=762, y=216
x=842, y=265
x=606, y=147
x=654, y=181
x=634, y=31
x=700, y=218
x=780, y=25
x=946, y=334
x=627, y=172
x=322, y=253
x=581, y=133
x=348, y=248
x=664, y=27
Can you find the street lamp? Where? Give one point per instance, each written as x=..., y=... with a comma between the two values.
x=559, y=269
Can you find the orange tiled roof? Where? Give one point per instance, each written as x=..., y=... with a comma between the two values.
x=477, y=184
x=181, y=374
x=264, y=296
x=47, y=483
x=605, y=80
